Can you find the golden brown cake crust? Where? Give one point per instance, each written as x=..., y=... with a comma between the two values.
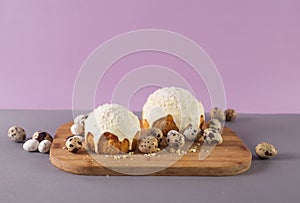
x=144, y=124
x=165, y=124
x=110, y=144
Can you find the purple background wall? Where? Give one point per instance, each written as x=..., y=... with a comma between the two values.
x=254, y=44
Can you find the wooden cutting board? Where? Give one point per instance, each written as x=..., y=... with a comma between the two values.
x=232, y=157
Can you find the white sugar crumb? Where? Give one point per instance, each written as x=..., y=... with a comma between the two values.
x=177, y=151
x=193, y=150
x=149, y=156
x=118, y=157
x=110, y=115
x=169, y=97
x=107, y=176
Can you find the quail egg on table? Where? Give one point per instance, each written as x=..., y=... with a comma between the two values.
x=149, y=144
x=17, y=134
x=217, y=113
x=76, y=129
x=215, y=124
x=73, y=144
x=212, y=136
x=81, y=137
x=175, y=140
x=79, y=123
x=31, y=145
x=192, y=133
x=80, y=120
x=42, y=135
x=157, y=133
x=230, y=114
x=265, y=150
x=44, y=146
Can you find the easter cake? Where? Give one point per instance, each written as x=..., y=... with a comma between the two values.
x=172, y=108
x=110, y=129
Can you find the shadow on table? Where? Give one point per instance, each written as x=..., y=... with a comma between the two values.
x=261, y=165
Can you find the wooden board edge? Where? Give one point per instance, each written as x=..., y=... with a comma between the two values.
x=170, y=171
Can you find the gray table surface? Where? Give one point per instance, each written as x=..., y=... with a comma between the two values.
x=30, y=177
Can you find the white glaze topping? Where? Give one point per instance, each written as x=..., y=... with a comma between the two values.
x=180, y=103
x=112, y=118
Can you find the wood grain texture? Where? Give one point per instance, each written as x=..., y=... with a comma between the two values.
x=232, y=157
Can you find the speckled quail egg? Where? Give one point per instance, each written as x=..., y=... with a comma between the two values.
x=217, y=113
x=81, y=137
x=44, y=146
x=212, y=136
x=75, y=129
x=265, y=150
x=157, y=133
x=42, y=135
x=149, y=144
x=192, y=133
x=175, y=140
x=79, y=123
x=230, y=114
x=31, y=145
x=73, y=144
x=215, y=124
x=80, y=120
x=17, y=134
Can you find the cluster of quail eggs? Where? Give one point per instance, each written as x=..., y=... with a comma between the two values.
x=263, y=150
x=74, y=142
x=152, y=140
x=212, y=134
x=219, y=114
x=40, y=140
